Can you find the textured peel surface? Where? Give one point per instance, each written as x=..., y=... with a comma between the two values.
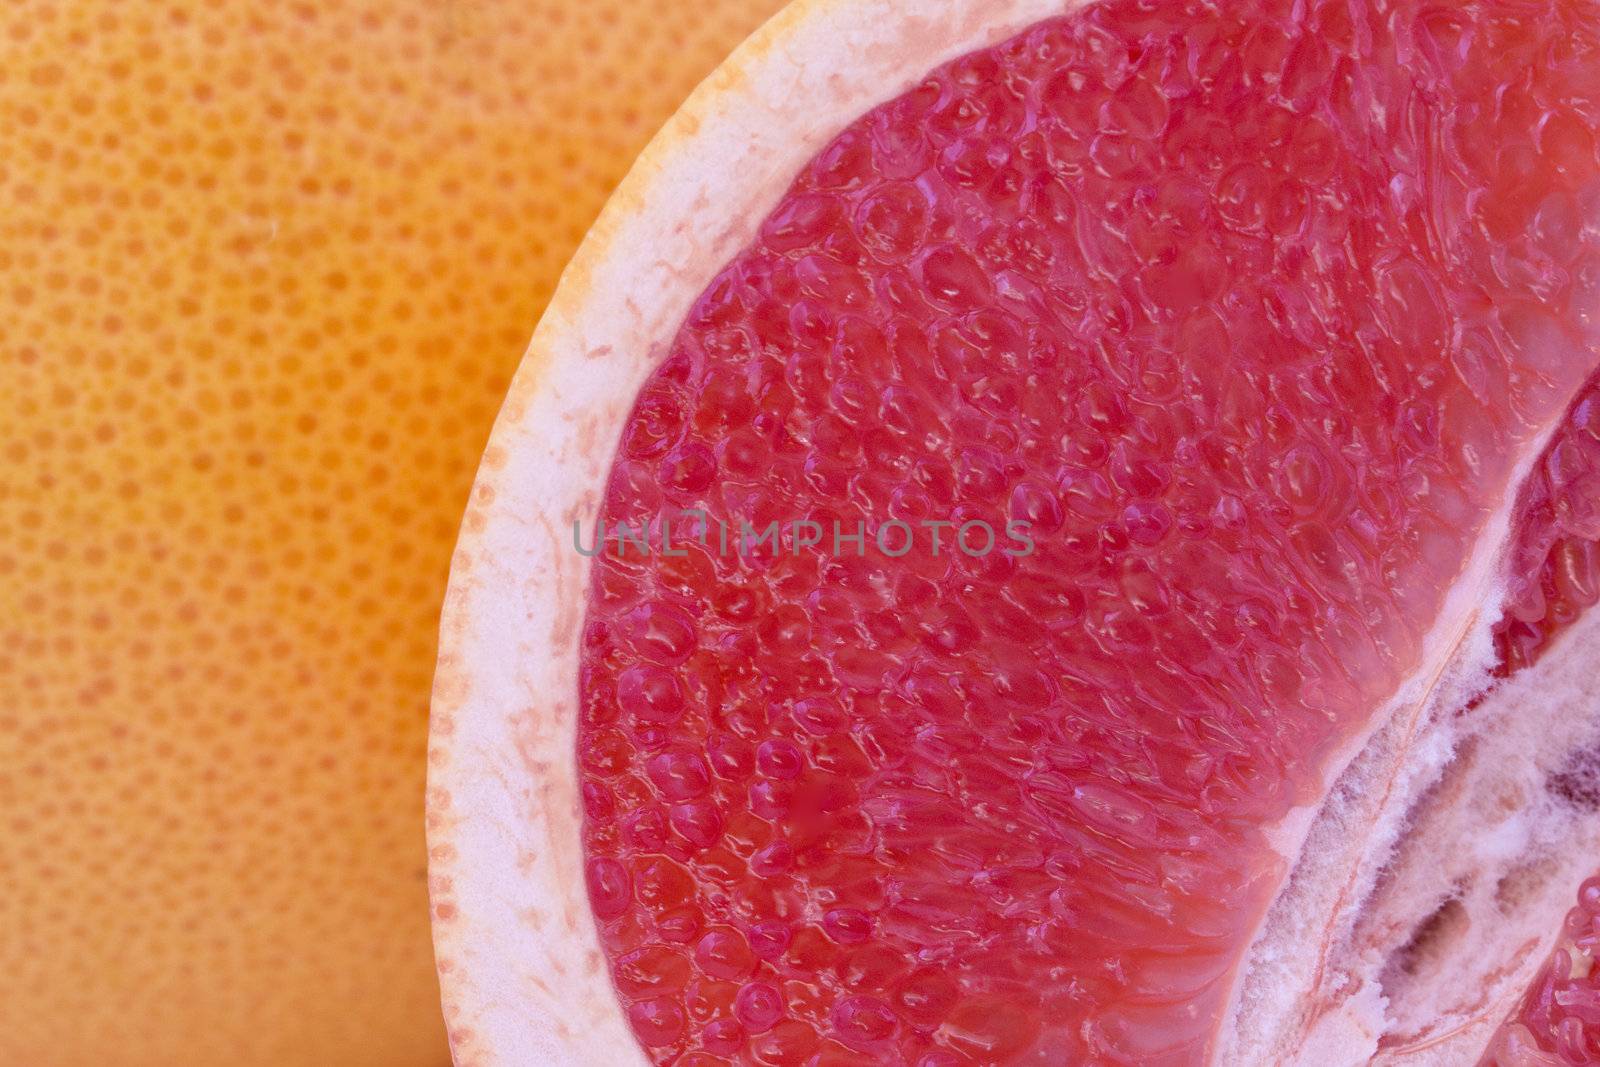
x=266, y=269
x=1251, y=316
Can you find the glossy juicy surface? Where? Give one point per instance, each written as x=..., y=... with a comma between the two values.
x=1558, y=1023
x=1555, y=560
x=1248, y=314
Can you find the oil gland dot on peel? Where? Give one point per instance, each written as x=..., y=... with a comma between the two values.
x=1249, y=357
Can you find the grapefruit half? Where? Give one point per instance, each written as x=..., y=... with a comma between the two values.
x=1243, y=358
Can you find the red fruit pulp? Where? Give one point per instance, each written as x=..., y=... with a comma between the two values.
x=1555, y=559
x=1558, y=1022
x=1555, y=576
x=1245, y=312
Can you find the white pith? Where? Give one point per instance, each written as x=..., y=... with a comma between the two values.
x=523, y=975
x=1436, y=805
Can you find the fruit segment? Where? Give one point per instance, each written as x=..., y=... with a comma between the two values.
x=1020, y=531
x=1555, y=555
x=1555, y=577
x=1558, y=1023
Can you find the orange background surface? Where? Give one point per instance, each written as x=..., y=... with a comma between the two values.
x=265, y=270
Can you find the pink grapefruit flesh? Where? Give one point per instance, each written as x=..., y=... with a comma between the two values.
x=1554, y=566
x=1558, y=1022
x=1247, y=314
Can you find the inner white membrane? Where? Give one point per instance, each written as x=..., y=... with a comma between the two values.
x=1434, y=877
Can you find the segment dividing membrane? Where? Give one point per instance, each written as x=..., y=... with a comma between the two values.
x=1254, y=317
